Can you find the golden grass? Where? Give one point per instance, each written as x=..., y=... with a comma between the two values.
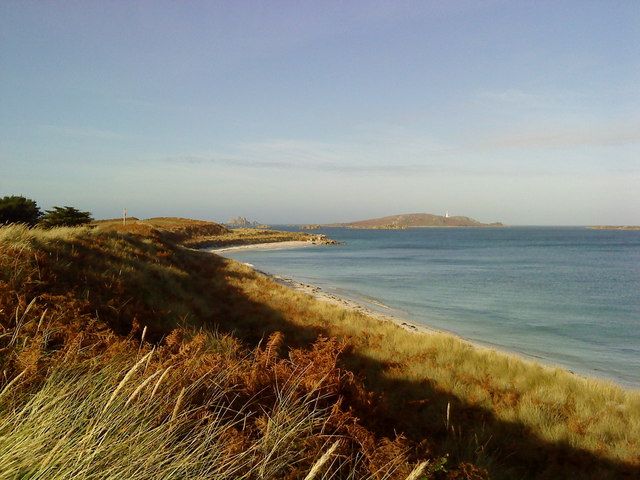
x=199, y=233
x=66, y=430
x=199, y=407
x=84, y=397
x=247, y=236
x=70, y=297
x=24, y=236
x=489, y=392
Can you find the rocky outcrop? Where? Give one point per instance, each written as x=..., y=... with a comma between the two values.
x=320, y=239
x=243, y=222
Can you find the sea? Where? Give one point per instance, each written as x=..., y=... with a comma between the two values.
x=567, y=296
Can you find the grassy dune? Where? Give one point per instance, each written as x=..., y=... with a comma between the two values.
x=200, y=234
x=482, y=405
x=125, y=355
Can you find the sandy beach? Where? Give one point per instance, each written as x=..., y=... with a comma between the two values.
x=348, y=304
x=387, y=314
x=262, y=246
x=382, y=312
x=367, y=307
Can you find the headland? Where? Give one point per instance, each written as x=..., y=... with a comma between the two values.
x=415, y=220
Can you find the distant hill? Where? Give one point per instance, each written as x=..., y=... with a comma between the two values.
x=614, y=227
x=416, y=220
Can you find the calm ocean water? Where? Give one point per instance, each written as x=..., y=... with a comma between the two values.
x=563, y=295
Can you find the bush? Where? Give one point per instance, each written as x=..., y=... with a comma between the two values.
x=18, y=209
x=65, y=217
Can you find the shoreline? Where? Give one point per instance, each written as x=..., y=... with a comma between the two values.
x=367, y=308
x=261, y=246
x=319, y=294
x=353, y=305
x=360, y=306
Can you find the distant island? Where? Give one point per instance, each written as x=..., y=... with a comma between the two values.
x=395, y=222
x=613, y=227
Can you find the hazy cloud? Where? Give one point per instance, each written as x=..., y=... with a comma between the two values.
x=610, y=135
x=514, y=97
x=304, y=165
x=387, y=153
x=518, y=99
x=87, y=132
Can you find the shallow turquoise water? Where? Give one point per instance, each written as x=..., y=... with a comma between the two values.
x=564, y=295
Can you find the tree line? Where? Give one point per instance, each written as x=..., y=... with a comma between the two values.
x=19, y=209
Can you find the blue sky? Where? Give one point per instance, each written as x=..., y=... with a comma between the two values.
x=526, y=112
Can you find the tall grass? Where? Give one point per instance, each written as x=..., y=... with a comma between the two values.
x=77, y=400
x=68, y=429
x=24, y=236
x=200, y=407
x=494, y=399
x=73, y=301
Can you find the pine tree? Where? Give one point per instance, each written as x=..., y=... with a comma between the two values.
x=18, y=209
x=65, y=216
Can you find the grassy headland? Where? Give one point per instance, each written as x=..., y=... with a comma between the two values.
x=201, y=234
x=126, y=355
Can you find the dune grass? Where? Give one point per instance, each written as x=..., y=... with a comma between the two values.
x=247, y=236
x=484, y=405
x=82, y=396
x=23, y=236
x=200, y=234
x=170, y=419
x=79, y=307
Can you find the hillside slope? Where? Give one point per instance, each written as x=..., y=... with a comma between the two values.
x=200, y=233
x=249, y=379
x=115, y=365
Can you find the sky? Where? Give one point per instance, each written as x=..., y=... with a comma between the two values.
x=524, y=112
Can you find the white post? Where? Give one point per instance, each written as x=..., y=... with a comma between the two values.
x=124, y=217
